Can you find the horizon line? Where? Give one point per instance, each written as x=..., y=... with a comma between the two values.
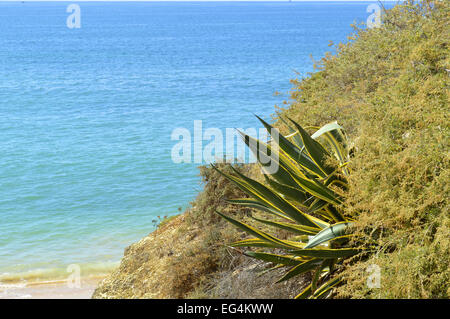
x=75, y=1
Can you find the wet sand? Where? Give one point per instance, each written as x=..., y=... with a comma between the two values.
x=49, y=290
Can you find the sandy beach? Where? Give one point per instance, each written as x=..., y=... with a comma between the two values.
x=49, y=290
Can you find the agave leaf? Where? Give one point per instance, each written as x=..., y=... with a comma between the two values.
x=277, y=202
x=327, y=234
x=300, y=269
x=317, y=274
x=318, y=204
x=253, y=242
x=261, y=234
x=326, y=287
x=322, y=223
x=335, y=137
x=271, y=199
x=266, y=156
x=327, y=128
x=305, y=293
x=294, y=228
x=315, y=150
x=341, y=239
x=318, y=190
x=334, y=214
x=337, y=181
x=336, y=146
x=293, y=151
x=274, y=258
x=293, y=133
x=251, y=203
x=321, y=292
x=326, y=252
x=294, y=194
x=291, y=193
x=270, y=269
x=286, y=169
x=319, y=207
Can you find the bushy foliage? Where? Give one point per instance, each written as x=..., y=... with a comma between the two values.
x=388, y=87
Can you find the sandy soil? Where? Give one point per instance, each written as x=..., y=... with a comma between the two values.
x=49, y=290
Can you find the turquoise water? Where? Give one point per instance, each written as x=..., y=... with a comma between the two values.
x=86, y=114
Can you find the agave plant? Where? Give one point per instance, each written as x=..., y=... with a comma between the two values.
x=304, y=194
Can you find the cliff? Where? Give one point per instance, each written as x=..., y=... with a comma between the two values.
x=388, y=87
x=187, y=256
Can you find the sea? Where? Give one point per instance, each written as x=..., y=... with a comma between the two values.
x=90, y=96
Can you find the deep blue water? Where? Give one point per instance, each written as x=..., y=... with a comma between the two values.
x=86, y=114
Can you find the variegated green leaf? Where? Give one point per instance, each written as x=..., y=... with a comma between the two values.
x=305, y=293
x=276, y=259
x=300, y=269
x=326, y=287
x=318, y=190
x=252, y=203
x=326, y=253
x=294, y=228
x=327, y=234
x=262, y=235
x=271, y=199
x=267, y=157
x=292, y=151
x=291, y=193
x=253, y=242
x=315, y=150
x=277, y=202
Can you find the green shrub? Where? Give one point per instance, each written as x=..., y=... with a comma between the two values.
x=389, y=88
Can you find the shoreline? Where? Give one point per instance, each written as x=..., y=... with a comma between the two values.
x=55, y=283
x=57, y=289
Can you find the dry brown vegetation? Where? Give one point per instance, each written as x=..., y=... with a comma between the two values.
x=187, y=256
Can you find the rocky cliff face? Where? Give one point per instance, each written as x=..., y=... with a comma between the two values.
x=163, y=265
x=187, y=257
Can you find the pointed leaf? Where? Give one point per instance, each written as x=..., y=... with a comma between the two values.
x=271, y=199
x=251, y=203
x=315, y=150
x=274, y=258
x=318, y=190
x=253, y=242
x=305, y=293
x=327, y=128
x=326, y=287
x=301, y=268
x=294, y=194
x=294, y=228
x=292, y=151
x=278, y=202
x=327, y=253
x=260, y=234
